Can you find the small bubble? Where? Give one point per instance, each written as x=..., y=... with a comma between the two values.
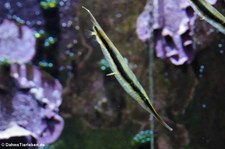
x=61, y=68
x=46, y=44
x=202, y=67
x=61, y=3
x=19, y=4
x=118, y=15
x=69, y=67
x=39, y=22
x=28, y=23
x=7, y=5
x=74, y=41
x=77, y=27
x=76, y=19
x=221, y=49
x=51, y=40
x=69, y=53
x=37, y=13
x=204, y=106
x=220, y=45
x=135, y=65
x=103, y=68
x=201, y=71
x=63, y=24
x=69, y=46
x=211, y=30
x=69, y=23
x=45, y=64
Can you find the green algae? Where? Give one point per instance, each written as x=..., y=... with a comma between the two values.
x=142, y=138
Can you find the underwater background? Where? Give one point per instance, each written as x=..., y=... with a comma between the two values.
x=54, y=88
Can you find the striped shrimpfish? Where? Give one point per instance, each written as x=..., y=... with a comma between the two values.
x=122, y=72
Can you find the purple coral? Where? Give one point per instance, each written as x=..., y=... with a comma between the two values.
x=212, y=2
x=32, y=104
x=17, y=42
x=173, y=25
x=143, y=29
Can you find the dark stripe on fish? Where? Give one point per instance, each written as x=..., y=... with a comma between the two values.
x=122, y=71
x=207, y=13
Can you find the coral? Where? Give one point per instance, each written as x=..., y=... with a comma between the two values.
x=47, y=4
x=33, y=98
x=174, y=25
x=143, y=28
x=142, y=138
x=17, y=42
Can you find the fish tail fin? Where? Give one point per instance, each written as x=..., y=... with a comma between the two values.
x=156, y=115
x=166, y=125
x=162, y=122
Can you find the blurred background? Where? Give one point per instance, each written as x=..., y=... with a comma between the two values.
x=53, y=84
